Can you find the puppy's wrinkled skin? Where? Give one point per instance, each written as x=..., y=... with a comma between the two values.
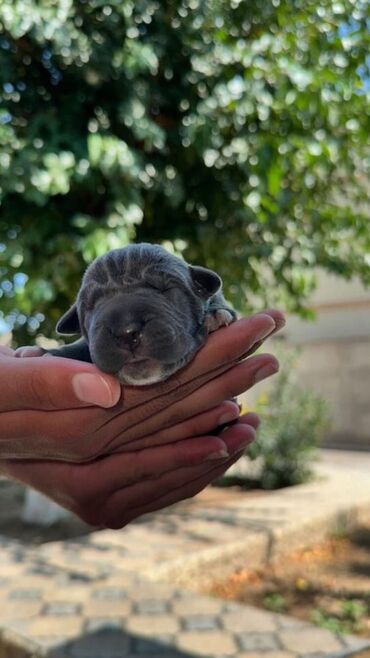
x=143, y=314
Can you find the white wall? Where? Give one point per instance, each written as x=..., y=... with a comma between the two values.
x=335, y=356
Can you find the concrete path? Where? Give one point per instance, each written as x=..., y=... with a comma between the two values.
x=133, y=593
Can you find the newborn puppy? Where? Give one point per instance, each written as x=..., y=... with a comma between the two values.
x=143, y=314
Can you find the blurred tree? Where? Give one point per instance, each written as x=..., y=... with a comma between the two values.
x=237, y=132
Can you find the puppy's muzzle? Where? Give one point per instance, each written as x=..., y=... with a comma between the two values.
x=140, y=338
x=129, y=335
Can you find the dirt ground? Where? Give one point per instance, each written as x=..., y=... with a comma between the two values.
x=328, y=584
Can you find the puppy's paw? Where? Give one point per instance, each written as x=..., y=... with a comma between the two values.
x=23, y=352
x=220, y=317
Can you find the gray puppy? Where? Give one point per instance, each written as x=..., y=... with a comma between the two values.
x=143, y=314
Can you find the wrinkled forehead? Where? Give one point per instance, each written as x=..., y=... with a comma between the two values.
x=134, y=264
x=131, y=266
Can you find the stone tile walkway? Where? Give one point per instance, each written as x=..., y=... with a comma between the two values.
x=131, y=594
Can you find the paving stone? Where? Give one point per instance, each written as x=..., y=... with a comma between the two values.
x=201, y=623
x=25, y=594
x=152, y=624
x=49, y=626
x=11, y=570
x=96, y=624
x=32, y=582
x=116, y=606
x=19, y=610
x=215, y=644
x=47, y=643
x=144, y=590
x=18, y=627
x=267, y=654
x=61, y=608
x=258, y=641
x=354, y=642
x=106, y=608
x=248, y=619
x=151, y=606
x=283, y=621
x=109, y=593
x=13, y=646
x=194, y=605
x=72, y=593
x=309, y=640
x=344, y=653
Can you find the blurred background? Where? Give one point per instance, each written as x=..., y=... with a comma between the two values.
x=234, y=133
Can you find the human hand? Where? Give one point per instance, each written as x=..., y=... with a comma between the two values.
x=113, y=490
x=44, y=413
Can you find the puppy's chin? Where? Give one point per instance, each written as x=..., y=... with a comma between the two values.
x=141, y=373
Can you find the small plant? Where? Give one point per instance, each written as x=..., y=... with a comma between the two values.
x=294, y=420
x=348, y=620
x=275, y=602
x=354, y=611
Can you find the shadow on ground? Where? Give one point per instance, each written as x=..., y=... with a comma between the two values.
x=110, y=643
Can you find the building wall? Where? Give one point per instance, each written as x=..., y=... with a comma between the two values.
x=335, y=355
x=340, y=371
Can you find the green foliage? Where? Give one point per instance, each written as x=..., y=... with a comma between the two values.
x=275, y=602
x=350, y=618
x=294, y=420
x=236, y=131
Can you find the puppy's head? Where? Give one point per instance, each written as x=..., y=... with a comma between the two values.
x=142, y=312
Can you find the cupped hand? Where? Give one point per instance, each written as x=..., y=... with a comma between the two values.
x=47, y=408
x=114, y=490
x=152, y=447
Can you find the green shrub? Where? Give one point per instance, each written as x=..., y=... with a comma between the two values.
x=294, y=420
x=226, y=129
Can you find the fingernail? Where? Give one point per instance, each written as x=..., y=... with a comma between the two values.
x=220, y=454
x=228, y=416
x=266, y=371
x=259, y=338
x=93, y=389
x=243, y=445
x=266, y=331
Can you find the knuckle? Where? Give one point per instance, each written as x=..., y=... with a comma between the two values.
x=115, y=523
x=35, y=388
x=174, y=416
x=140, y=469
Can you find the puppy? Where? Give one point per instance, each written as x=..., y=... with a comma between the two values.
x=142, y=314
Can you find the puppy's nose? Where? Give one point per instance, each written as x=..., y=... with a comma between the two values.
x=129, y=335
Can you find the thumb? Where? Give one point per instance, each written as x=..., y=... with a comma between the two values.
x=50, y=382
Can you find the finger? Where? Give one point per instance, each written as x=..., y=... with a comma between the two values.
x=136, y=471
x=199, y=424
x=232, y=383
x=82, y=435
x=6, y=351
x=223, y=347
x=163, y=493
x=280, y=322
x=62, y=481
x=54, y=383
x=250, y=418
x=126, y=469
x=26, y=351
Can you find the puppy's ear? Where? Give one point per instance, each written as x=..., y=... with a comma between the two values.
x=69, y=322
x=206, y=282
